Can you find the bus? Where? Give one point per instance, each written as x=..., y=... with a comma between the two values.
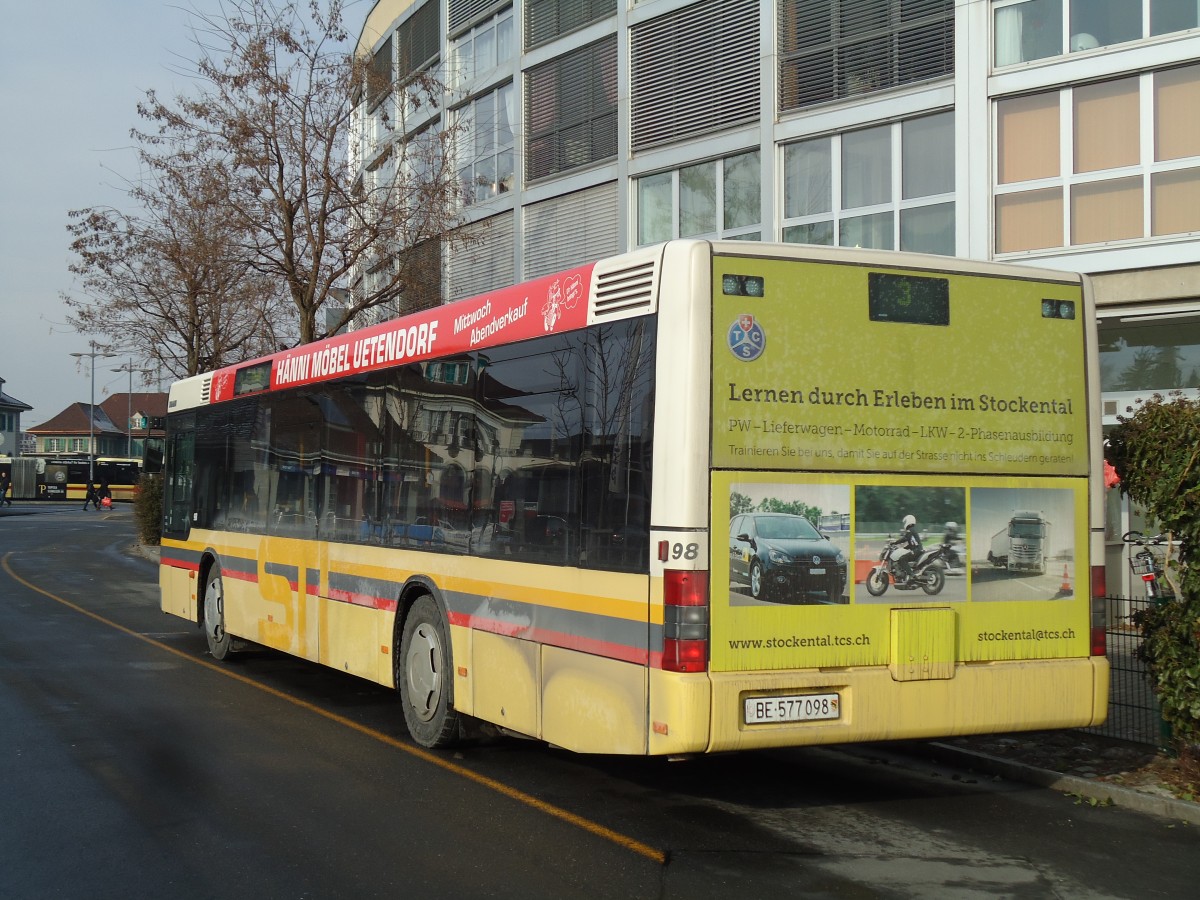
x=585, y=508
x=65, y=477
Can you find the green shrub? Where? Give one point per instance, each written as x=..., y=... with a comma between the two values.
x=147, y=509
x=1156, y=452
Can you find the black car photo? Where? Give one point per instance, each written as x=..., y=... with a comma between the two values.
x=783, y=558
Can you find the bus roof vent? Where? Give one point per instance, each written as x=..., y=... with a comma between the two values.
x=628, y=286
x=206, y=389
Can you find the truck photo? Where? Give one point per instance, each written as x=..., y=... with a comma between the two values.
x=1022, y=544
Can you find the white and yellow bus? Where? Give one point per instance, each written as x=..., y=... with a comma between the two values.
x=586, y=508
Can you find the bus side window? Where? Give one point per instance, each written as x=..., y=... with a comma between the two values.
x=533, y=392
x=619, y=370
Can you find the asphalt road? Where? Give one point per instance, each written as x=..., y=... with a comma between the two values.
x=134, y=766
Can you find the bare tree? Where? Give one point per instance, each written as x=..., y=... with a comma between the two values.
x=171, y=284
x=277, y=92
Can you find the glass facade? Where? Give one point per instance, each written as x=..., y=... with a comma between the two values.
x=714, y=199
x=1150, y=354
x=1030, y=30
x=846, y=186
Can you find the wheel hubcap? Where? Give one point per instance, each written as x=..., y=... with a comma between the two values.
x=423, y=668
x=214, y=610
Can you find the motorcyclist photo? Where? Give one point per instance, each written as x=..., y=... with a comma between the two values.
x=950, y=541
x=907, y=547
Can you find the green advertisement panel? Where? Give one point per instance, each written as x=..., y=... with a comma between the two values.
x=793, y=586
x=834, y=366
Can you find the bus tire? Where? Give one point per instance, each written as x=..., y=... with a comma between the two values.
x=424, y=676
x=220, y=641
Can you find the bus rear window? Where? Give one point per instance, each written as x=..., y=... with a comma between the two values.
x=911, y=299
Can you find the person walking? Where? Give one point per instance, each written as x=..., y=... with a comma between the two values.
x=92, y=497
x=5, y=500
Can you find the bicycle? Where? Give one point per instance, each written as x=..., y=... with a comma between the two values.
x=1145, y=565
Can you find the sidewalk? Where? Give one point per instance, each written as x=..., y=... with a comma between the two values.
x=1096, y=770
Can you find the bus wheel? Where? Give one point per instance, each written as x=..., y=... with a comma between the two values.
x=220, y=642
x=424, y=676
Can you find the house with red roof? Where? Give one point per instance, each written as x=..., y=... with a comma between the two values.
x=122, y=425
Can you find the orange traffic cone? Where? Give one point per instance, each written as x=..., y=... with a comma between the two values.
x=1066, y=585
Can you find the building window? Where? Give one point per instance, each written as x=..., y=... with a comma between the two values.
x=715, y=199
x=835, y=49
x=546, y=20
x=1027, y=30
x=486, y=156
x=482, y=49
x=381, y=74
x=888, y=187
x=571, y=110
x=1149, y=355
x=77, y=445
x=1087, y=180
x=418, y=39
x=685, y=83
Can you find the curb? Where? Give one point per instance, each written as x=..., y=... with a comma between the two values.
x=146, y=551
x=1104, y=791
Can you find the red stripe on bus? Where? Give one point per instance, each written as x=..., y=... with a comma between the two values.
x=239, y=576
x=177, y=563
x=596, y=647
x=363, y=600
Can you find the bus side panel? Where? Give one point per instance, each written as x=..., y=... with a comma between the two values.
x=280, y=610
x=591, y=704
x=355, y=639
x=505, y=682
x=680, y=708
x=177, y=585
x=979, y=699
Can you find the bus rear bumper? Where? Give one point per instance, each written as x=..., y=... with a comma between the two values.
x=980, y=698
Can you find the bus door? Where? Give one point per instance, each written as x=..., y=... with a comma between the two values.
x=179, y=473
x=177, y=576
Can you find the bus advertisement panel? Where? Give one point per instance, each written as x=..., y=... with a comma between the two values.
x=857, y=396
x=777, y=612
x=839, y=367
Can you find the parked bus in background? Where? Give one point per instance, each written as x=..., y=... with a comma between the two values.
x=528, y=508
x=65, y=477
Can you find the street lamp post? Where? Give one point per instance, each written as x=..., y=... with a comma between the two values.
x=92, y=354
x=128, y=367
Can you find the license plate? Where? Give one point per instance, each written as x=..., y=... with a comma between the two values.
x=792, y=708
x=816, y=571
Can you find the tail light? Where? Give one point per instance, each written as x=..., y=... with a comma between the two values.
x=685, y=621
x=1099, y=631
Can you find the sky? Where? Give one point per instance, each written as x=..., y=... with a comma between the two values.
x=71, y=75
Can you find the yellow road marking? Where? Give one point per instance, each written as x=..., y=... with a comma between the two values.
x=499, y=787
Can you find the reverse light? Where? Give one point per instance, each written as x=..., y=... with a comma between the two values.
x=685, y=621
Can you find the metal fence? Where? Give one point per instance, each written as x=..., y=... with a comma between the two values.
x=1133, y=713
